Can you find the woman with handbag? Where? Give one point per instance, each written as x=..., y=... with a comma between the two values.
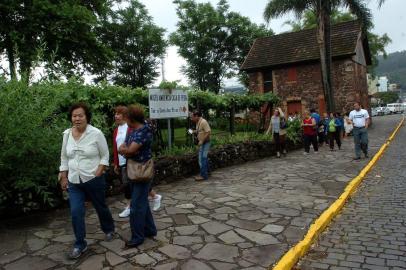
x=277, y=126
x=140, y=171
x=120, y=162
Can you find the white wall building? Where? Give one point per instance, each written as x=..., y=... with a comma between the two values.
x=383, y=84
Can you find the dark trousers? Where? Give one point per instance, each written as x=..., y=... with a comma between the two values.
x=280, y=142
x=335, y=136
x=141, y=219
x=95, y=191
x=322, y=138
x=310, y=139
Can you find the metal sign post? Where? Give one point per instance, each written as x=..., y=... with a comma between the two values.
x=169, y=134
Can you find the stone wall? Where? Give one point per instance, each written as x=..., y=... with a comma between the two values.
x=169, y=169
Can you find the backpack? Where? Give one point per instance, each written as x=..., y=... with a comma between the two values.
x=283, y=123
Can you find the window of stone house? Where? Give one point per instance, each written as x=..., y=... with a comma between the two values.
x=268, y=85
x=292, y=74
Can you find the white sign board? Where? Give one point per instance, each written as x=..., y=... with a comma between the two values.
x=168, y=103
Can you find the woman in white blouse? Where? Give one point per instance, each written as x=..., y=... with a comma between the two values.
x=84, y=157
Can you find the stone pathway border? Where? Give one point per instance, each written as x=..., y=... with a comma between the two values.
x=300, y=249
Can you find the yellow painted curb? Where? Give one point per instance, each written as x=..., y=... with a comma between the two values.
x=299, y=250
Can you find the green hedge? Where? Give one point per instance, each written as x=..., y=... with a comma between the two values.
x=32, y=119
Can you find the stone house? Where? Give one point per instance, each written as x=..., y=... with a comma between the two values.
x=289, y=66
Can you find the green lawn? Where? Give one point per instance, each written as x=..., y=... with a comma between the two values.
x=181, y=136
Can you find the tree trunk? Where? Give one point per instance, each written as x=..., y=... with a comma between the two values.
x=324, y=42
x=232, y=119
x=11, y=58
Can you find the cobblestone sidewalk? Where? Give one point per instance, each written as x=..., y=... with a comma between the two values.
x=370, y=233
x=244, y=217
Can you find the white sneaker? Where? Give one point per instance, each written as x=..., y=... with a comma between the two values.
x=125, y=213
x=157, y=202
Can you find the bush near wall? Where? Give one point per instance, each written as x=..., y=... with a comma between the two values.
x=32, y=119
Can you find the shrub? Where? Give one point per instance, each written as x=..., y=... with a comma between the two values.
x=32, y=119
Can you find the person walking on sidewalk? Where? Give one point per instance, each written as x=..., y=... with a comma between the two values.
x=309, y=133
x=137, y=147
x=120, y=162
x=203, y=132
x=277, y=126
x=334, y=131
x=360, y=120
x=84, y=157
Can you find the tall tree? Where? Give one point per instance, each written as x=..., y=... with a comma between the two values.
x=323, y=10
x=377, y=43
x=213, y=40
x=57, y=32
x=137, y=44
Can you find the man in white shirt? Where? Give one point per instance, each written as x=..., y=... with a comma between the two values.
x=360, y=120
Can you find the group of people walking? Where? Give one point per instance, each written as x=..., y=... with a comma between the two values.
x=329, y=129
x=85, y=157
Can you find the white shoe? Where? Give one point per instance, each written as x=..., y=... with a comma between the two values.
x=305, y=153
x=125, y=213
x=157, y=202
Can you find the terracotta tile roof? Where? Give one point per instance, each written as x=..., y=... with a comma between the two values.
x=301, y=46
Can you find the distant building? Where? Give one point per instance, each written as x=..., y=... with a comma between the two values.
x=383, y=84
x=393, y=87
x=289, y=66
x=372, y=84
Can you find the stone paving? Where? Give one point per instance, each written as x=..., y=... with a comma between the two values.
x=370, y=233
x=244, y=217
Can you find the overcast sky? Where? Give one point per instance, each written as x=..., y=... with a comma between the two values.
x=390, y=19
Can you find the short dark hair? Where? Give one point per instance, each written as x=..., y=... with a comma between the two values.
x=136, y=114
x=78, y=105
x=312, y=110
x=197, y=113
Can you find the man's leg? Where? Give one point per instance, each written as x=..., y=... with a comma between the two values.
x=77, y=209
x=357, y=142
x=204, y=160
x=364, y=141
x=95, y=189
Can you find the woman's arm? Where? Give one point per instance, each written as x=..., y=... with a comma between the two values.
x=129, y=151
x=63, y=168
x=104, y=154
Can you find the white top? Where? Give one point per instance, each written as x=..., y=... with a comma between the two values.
x=120, y=138
x=359, y=118
x=82, y=158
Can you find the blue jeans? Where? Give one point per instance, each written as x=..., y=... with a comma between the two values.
x=360, y=141
x=95, y=190
x=203, y=160
x=141, y=219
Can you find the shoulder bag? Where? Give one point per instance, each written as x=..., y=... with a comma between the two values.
x=140, y=172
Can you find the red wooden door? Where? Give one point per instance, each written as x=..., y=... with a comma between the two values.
x=295, y=107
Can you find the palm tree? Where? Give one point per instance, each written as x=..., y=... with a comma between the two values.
x=323, y=10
